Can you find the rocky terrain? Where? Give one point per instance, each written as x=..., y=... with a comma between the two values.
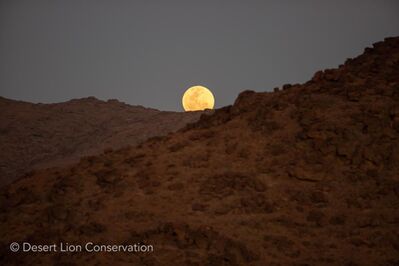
x=41, y=135
x=307, y=175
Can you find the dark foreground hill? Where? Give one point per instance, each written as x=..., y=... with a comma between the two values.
x=304, y=176
x=41, y=135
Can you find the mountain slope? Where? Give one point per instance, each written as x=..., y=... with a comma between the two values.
x=41, y=135
x=303, y=176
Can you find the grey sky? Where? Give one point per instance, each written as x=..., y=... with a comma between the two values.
x=148, y=52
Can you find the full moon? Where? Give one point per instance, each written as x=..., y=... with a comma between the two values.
x=198, y=98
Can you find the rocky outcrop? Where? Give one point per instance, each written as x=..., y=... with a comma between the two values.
x=307, y=175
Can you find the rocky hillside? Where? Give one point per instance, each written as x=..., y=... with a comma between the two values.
x=41, y=135
x=308, y=175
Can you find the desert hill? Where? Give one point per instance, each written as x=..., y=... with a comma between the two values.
x=41, y=135
x=308, y=175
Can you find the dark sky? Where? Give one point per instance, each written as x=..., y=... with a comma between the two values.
x=148, y=52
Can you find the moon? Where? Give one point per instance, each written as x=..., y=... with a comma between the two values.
x=198, y=98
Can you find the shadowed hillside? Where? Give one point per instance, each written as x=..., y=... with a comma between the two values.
x=42, y=135
x=308, y=175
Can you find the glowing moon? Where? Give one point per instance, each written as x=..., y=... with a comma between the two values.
x=198, y=98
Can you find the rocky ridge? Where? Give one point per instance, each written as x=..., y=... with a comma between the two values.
x=307, y=175
x=34, y=136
